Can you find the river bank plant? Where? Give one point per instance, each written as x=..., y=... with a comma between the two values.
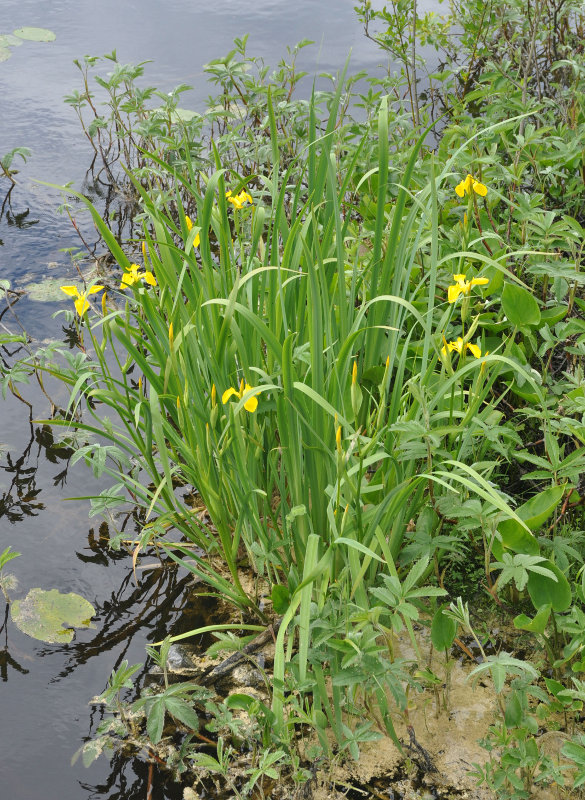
x=361, y=352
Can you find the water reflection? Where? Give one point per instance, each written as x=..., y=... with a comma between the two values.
x=6, y=660
x=142, y=610
x=20, y=499
x=20, y=219
x=133, y=779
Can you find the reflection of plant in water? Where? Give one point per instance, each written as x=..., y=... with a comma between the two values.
x=126, y=614
x=8, y=582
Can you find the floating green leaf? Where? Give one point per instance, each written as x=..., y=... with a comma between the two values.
x=183, y=115
x=51, y=616
x=8, y=40
x=35, y=34
x=48, y=290
x=4, y=53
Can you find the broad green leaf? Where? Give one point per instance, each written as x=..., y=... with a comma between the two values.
x=4, y=53
x=539, y=508
x=280, y=598
x=544, y=591
x=182, y=711
x=520, y=306
x=537, y=624
x=574, y=751
x=443, y=630
x=551, y=316
x=35, y=34
x=534, y=514
x=51, y=616
x=513, y=711
x=242, y=702
x=156, y=719
x=514, y=538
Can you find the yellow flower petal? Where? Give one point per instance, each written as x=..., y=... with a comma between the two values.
x=197, y=241
x=478, y=281
x=149, y=278
x=128, y=280
x=474, y=349
x=470, y=184
x=81, y=305
x=479, y=188
x=459, y=278
x=94, y=290
x=188, y=223
x=251, y=404
x=231, y=392
x=72, y=291
x=239, y=200
x=453, y=293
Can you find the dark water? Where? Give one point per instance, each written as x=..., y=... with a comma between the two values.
x=45, y=689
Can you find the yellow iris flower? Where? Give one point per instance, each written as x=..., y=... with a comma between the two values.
x=81, y=302
x=459, y=347
x=251, y=403
x=132, y=276
x=239, y=200
x=461, y=286
x=470, y=184
x=197, y=239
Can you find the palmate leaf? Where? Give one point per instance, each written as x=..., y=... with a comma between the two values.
x=155, y=718
x=501, y=666
x=518, y=567
x=182, y=711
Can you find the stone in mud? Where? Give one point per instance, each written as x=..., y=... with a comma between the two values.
x=184, y=662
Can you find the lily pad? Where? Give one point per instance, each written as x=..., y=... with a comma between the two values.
x=9, y=40
x=48, y=291
x=35, y=34
x=51, y=616
x=183, y=115
x=4, y=53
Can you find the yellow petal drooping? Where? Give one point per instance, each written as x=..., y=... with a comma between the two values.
x=461, y=286
x=251, y=403
x=81, y=303
x=470, y=184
